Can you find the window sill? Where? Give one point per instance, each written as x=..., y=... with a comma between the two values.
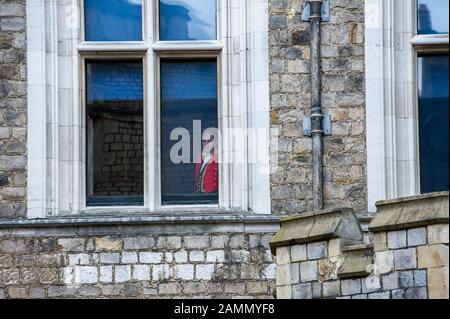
x=156, y=219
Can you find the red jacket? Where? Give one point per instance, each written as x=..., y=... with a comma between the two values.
x=207, y=181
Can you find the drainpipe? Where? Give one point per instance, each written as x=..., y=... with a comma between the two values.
x=316, y=104
x=314, y=125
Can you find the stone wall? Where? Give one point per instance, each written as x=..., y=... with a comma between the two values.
x=13, y=108
x=158, y=257
x=322, y=255
x=343, y=96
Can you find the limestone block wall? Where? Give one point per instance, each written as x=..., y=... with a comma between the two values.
x=145, y=258
x=409, y=257
x=13, y=109
x=343, y=97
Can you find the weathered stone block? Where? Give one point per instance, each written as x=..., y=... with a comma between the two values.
x=86, y=275
x=196, y=256
x=196, y=242
x=308, y=271
x=397, y=239
x=433, y=256
x=438, y=234
x=220, y=242
x=150, y=257
x=257, y=287
x=184, y=272
x=298, y=253
x=331, y=288
x=89, y=291
x=36, y=293
x=61, y=291
x=317, y=250
x=108, y=244
x=420, y=278
x=406, y=279
x=141, y=272
x=417, y=236
x=391, y=281
x=109, y=258
x=170, y=288
x=284, y=292
x=137, y=243
x=351, y=287
x=380, y=295
x=129, y=258
x=122, y=274
x=405, y=259
x=71, y=244
x=416, y=293
x=384, y=261
x=438, y=283
x=204, y=272
x=17, y=293
x=283, y=255
x=287, y=274
x=335, y=248
x=106, y=274
x=215, y=256
x=302, y=291
x=162, y=272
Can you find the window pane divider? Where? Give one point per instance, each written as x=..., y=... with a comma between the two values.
x=188, y=46
x=113, y=46
x=434, y=39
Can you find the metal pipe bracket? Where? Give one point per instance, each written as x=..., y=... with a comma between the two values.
x=306, y=11
x=326, y=125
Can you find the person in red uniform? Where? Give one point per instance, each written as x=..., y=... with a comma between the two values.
x=206, y=169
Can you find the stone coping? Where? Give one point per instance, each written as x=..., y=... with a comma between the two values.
x=410, y=212
x=141, y=225
x=318, y=226
x=139, y=219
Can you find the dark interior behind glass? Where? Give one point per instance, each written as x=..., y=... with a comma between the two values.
x=188, y=94
x=115, y=133
x=433, y=122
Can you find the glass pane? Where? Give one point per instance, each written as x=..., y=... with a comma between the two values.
x=433, y=123
x=189, y=168
x=187, y=20
x=113, y=20
x=433, y=16
x=115, y=133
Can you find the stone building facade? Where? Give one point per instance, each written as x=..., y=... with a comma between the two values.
x=343, y=98
x=13, y=93
x=52, y=246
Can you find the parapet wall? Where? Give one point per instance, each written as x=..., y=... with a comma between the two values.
x=323, y=255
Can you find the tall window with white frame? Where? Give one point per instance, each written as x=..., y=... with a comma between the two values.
x=433, y=95
x=186, y=103
x=114, y=106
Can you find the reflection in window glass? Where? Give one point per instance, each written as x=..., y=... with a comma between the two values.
x=113, y=20
x=189, y=119
x=115, y=133
x=187, y=20
x=433, y=123
x=433, y=16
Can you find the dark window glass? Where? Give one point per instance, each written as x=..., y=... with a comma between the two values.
x=189, y=166
x=113, y=20
x=187, y=20
x=115, y=133
x=433, y=122
x=433, y=16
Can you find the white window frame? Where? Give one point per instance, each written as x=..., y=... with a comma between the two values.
x=56, y=156
x=392, y=47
